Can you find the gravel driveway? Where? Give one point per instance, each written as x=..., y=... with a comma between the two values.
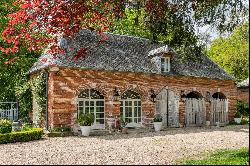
x=134, y=148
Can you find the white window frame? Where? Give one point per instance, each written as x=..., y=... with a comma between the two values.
x=133, y=109
x=95, y=125
x=166, y=64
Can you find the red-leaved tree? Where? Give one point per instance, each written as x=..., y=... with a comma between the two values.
x=40, y=23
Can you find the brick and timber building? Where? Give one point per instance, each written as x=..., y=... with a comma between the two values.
x=134, y=78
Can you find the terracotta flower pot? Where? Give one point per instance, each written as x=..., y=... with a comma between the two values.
x=125, y=130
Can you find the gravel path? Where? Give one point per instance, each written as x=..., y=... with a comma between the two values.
x=134, y=148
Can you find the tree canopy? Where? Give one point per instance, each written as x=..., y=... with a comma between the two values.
x=232, y=53
x=14, y=68
x=39, y=23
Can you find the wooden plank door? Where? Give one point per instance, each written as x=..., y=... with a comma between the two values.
x=168, y=106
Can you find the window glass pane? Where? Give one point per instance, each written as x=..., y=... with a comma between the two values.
x=84, y=94
x=92, y=110
x=126, y=112
x=139, y=120
x=162, y=60
x=135, y=112
x=162, y=64
x=139, y=111
x=80, y=109
x=99, y=121
x=99, y=109
x=130, y=112
x=139, y=103
x=86, y=103
x=92, y=103
x=130, y=103
x=128, y=120
x=91, y=93
x=130, y=95
x=99, y=115
x=80, y=103
x=135, y=103
x=166, y=66
x=95, y=94
x=100, y=103
x=86, y=109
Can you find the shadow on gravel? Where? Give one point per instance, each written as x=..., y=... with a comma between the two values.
x=139, y=133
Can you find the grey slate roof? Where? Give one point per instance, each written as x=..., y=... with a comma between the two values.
x=126, y=53
x=244, y=83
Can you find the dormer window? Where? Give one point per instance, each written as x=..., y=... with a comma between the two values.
x=165, y=64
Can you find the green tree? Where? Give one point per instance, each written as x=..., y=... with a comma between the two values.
x=232, y=53
x=175, y=22
x=13, y=72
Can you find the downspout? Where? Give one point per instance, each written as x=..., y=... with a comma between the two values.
x=46, y=118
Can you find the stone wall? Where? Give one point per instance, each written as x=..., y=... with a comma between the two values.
x=65, y=86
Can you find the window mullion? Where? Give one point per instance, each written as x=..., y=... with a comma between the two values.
x=95, y=111
x=164, y=64
x=123, y=107
x=133, y=111
x=168, y=64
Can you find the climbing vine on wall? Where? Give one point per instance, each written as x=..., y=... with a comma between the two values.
x=36, y=88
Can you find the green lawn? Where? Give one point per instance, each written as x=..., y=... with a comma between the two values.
x=223, y=157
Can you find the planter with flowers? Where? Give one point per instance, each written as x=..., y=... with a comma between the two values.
x=157, y=122
x=85, y=121
x=237, y=117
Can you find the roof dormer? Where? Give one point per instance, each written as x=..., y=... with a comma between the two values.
x=165, y=64
x=161, y=57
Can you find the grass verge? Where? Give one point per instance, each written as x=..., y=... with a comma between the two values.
x=222, y=157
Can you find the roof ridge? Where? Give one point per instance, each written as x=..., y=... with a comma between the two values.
x=124, y=35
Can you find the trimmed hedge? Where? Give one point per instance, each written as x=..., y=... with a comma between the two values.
x=21, y=136
x=5, y=126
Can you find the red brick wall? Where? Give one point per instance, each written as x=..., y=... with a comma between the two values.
x=65, y=86
x=243, y=94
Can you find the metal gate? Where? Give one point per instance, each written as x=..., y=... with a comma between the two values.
x=219, y=111
x=195, y=112
x=9, y=110
x=167, y=105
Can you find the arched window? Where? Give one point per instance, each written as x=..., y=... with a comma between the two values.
x=194, y=94
x=218, y=95
x=92, y=101
x=130, y=107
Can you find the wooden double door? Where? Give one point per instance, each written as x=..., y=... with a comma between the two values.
x=167, y=105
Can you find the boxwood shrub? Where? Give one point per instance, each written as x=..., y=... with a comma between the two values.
x=5, y=126
x=21, y=136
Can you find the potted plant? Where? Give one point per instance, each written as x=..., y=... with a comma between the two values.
x=157, y=122
x=85, y=121
x=237, y=117
x=123, y=126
